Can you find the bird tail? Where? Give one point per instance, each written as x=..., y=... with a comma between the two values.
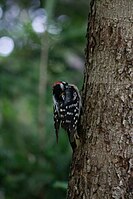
x=74, y=139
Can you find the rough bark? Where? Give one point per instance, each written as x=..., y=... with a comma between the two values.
x=102, y=168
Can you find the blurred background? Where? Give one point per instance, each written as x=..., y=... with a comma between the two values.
x=40, y=42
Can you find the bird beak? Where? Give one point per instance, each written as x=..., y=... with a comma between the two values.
x=62, y=94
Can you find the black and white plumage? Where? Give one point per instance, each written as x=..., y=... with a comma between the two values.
x=67, y=107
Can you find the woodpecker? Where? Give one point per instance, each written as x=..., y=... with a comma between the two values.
x=67, y=109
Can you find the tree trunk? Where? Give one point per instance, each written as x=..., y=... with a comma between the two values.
x=49, y=6
x=102, y=168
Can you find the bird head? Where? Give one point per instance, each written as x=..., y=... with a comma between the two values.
x=59, y=90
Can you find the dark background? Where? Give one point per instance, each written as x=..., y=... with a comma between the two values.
x=32, y=165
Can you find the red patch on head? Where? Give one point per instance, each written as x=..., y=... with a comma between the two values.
x=56, y=83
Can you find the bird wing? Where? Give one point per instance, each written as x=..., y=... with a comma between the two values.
x=56, y=122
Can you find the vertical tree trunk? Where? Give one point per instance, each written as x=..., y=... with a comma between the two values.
x=102, y=168
x=42, y=87
x=49, y=6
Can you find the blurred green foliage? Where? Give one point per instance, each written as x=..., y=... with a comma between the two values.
x=31, y=168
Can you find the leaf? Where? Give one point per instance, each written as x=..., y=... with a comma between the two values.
x=61, y=185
